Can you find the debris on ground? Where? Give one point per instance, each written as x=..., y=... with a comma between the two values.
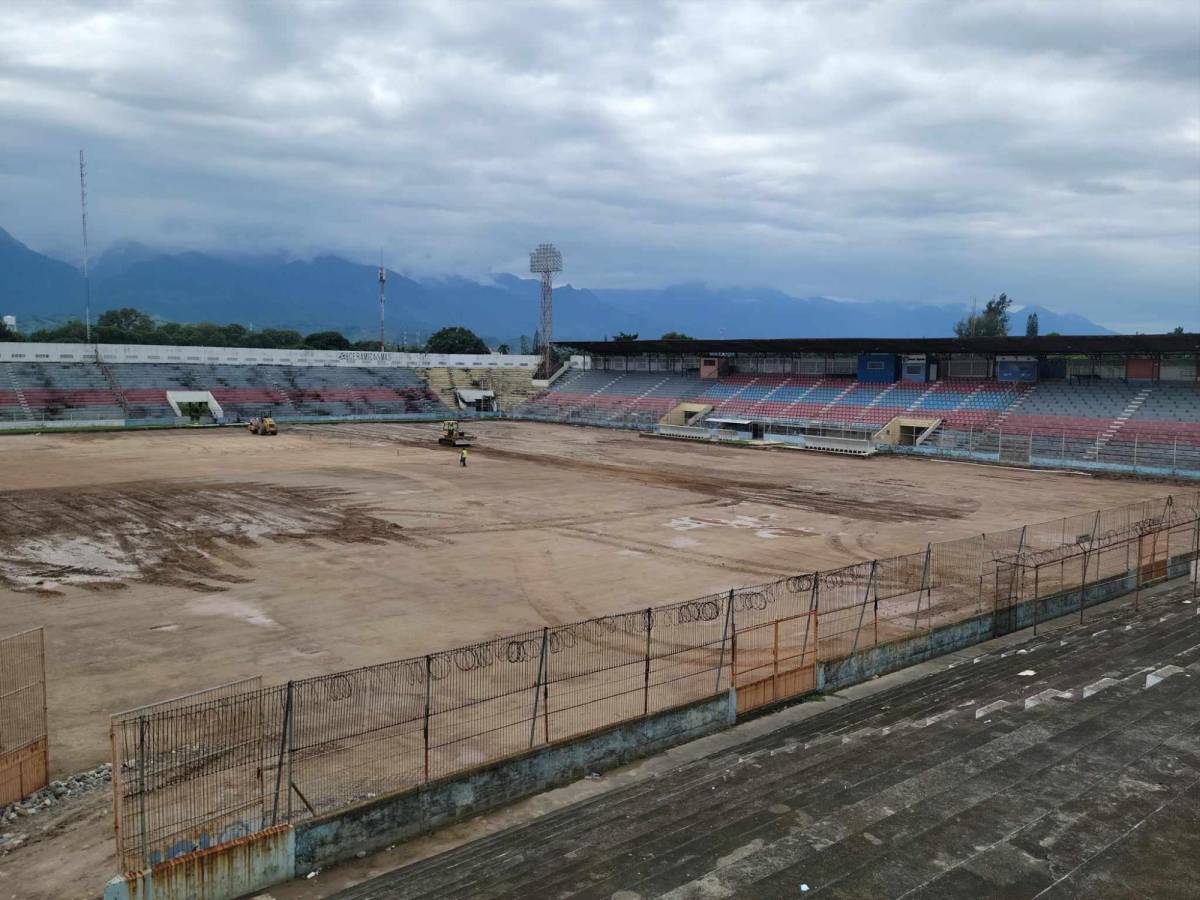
x=52, y=795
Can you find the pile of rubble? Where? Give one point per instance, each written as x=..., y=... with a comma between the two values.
x=16, y=814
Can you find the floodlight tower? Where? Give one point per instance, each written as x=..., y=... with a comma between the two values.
x=545, y=260
x=382, y=282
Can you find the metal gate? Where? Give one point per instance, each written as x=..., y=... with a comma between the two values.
x=1153, y=560
x=774, y=661
x=24, y=763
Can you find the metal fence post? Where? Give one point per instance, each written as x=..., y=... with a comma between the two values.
x=724, y=638
x=291, y=743
x=1083, y=586
x=646, y=677
x=546, y=695
x=537, y=687
x=141, y=761
x=1036, y=595
x=1196, y=555
x=425, y=723
x=924, y=578
x=863, y=610
x=279, y=761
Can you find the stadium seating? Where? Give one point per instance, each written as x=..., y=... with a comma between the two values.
x=37, y=390
x=1097, y=420
x=82, y=391
x=612, y=397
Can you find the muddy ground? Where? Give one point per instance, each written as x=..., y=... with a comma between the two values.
x=164, y=562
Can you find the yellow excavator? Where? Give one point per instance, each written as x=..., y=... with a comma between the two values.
x=262, y=425
x=453, y=436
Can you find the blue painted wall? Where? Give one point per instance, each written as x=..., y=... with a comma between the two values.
x=880, y=368
x=1012, y=370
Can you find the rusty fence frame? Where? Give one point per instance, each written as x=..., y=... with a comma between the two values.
x=216, y=766
x=24, y=733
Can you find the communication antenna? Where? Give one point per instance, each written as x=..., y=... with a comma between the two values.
x=545, y=260
x=382, y=282
x=87, y=283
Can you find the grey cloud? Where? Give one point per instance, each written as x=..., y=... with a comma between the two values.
x=911, y=150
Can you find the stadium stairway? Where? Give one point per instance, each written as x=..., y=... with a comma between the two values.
x=22, y=402
x=1059, y=765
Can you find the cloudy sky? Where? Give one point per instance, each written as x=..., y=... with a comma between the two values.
x=907, y=150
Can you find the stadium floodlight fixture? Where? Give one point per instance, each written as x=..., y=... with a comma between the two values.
x=545, y=260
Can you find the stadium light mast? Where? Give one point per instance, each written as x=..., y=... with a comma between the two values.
x=545, y=260
x=382, y=282
x=87, y=283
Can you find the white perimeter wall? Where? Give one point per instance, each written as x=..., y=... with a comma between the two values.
x=151, y=353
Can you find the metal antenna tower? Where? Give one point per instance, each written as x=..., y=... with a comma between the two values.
x=545, y=260
x=87, y=283
x=382, y=281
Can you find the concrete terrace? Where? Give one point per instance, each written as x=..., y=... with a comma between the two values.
x=1060, y=765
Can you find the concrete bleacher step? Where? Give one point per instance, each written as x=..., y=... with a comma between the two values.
x=820, y=828
x=896, y=817
x=718, y=408
x=22, y=402
x=838, y=399
x=1118, y=423
x=998, y=422
x=932, y=386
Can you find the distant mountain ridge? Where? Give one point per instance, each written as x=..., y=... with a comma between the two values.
x=328, y=292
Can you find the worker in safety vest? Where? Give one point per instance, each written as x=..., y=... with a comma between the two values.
x=462, y=458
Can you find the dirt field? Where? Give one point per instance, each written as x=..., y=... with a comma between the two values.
x=164, y=562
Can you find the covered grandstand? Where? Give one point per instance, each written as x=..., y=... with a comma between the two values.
x=1123, y=402
x=1110, y=402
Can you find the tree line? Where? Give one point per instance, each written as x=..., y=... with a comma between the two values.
x=132, y=326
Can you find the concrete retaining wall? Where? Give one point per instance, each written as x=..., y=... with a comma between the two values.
x=386, y=820
x=236, y=869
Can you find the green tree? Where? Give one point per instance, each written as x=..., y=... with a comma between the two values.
x=70, y=332
x=326, y=340
x=524, y=344
x=502, y=349
x=625, y=336
x=1178, y=330
x=677, y=336
x=1031, y=325
x=277, y=339
x=7, y=334
x=455, y=339
x=124, y=326
x=992, y=322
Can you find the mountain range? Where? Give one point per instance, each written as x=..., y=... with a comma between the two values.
x=328, y=292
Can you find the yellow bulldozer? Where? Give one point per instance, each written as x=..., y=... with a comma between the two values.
x=453, y=436
x=262, y=425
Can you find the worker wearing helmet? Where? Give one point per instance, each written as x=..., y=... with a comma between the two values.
x=462, y=458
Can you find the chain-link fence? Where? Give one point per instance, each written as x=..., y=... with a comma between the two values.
x=210, y=768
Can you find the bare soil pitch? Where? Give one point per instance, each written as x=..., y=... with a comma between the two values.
x=165, y=562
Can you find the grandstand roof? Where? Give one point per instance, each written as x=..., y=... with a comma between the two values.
x=985, y=346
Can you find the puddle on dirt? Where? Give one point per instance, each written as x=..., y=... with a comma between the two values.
x=180, y=534
x=231, y=609
x=762, y=526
